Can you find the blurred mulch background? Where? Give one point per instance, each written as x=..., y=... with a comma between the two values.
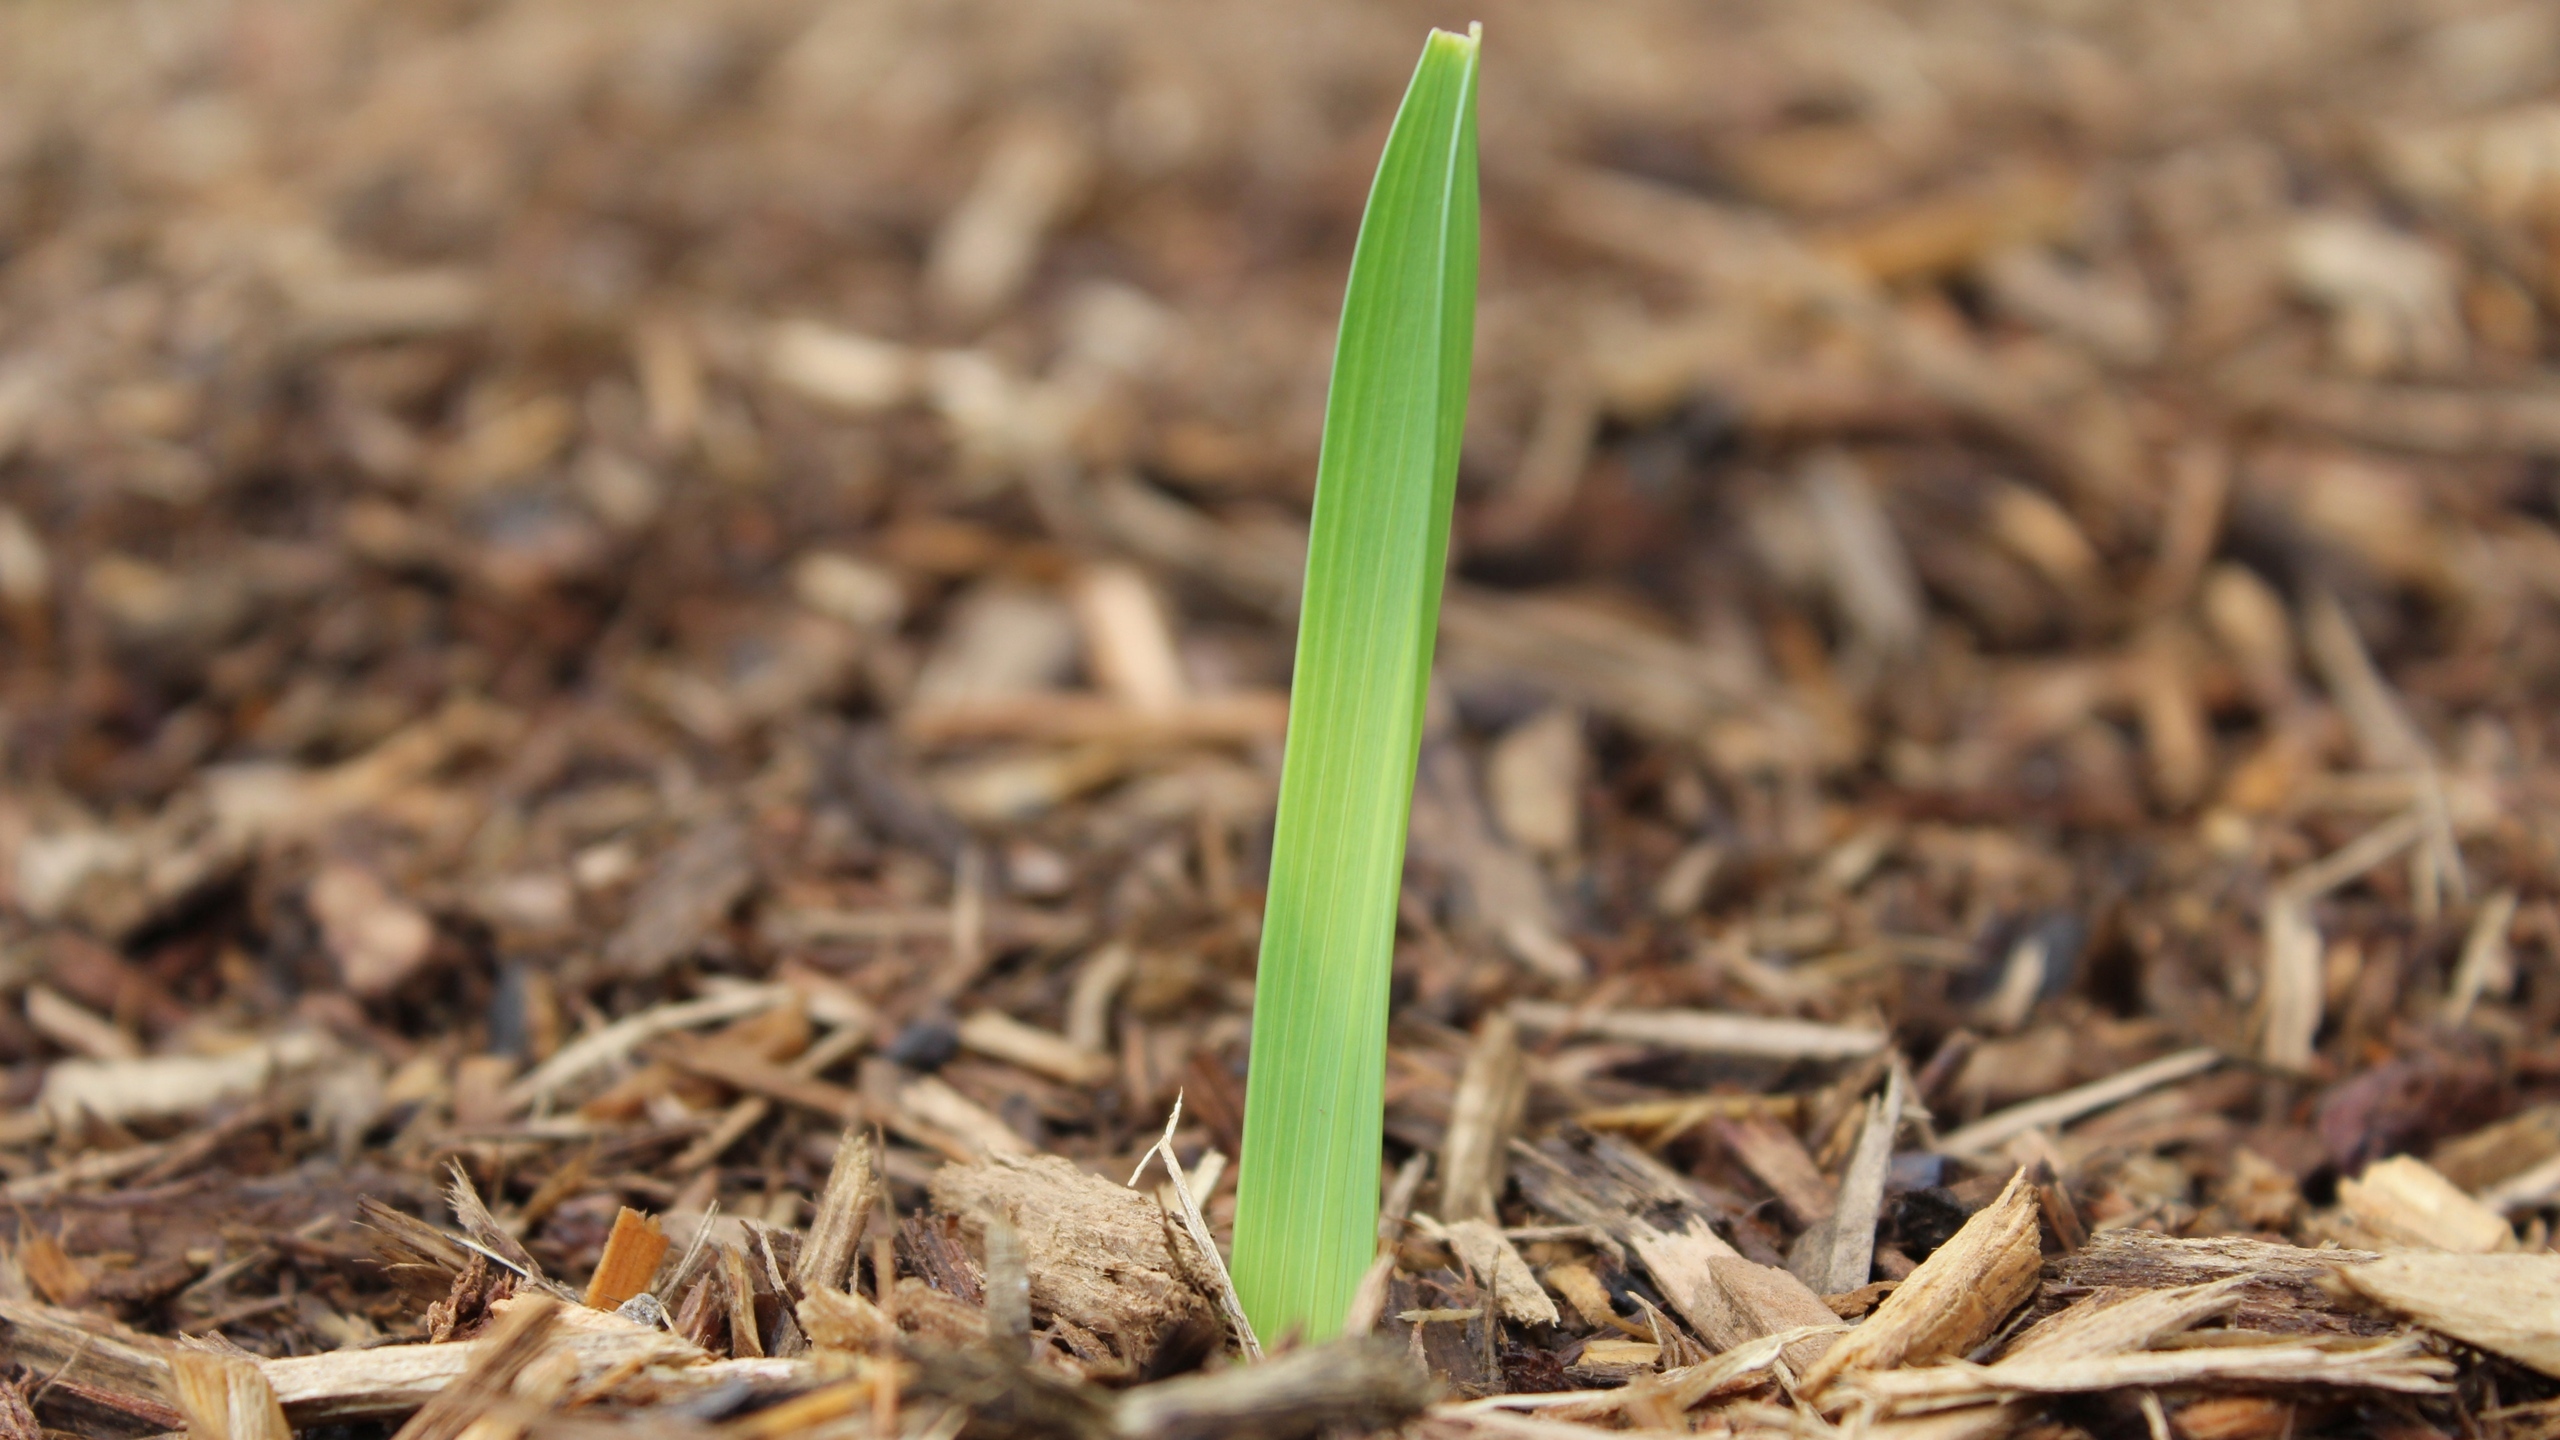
x=2023, y=525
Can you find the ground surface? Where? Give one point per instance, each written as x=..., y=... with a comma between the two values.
x=2017, y=535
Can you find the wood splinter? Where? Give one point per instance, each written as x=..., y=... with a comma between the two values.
x=1955, y=1300
x=630, y=1260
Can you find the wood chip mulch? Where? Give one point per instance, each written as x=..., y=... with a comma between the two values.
x=643, y=650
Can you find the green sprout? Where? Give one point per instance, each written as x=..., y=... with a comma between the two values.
x=1307, y=1187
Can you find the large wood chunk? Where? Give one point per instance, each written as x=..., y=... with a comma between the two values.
x=1100, y=1256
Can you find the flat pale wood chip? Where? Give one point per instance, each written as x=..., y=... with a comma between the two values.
x=2496, y=1153
x=225, y=1397
x=2112, y=1322
x=2070, y=1343
x=1702, y=1033
x=2509, y=1304
x=2403, y=1201
x=844, y=1207
x=1493, y=1258
x=1954, y=1300
x=1777, y=1159
x=1771, y=1300
x=1583, y=1291
x=1482, y=1117
x=392, y=1381
x=153, y=1086
x=839, y=1320
x=1838, y=1249
x=2401, y=1366
x=1043, y=1052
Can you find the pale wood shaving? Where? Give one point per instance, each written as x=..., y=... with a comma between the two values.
x=1493, y=1258
x=2509, y=1304
x=2396, y=1365
x=1770, y=1300
x=1482, y=1116
x=2487, y=966
x=930, y=1105
x=498, y=1357
x=395, y=1380
x=2290, y=1001
x=165, y=1085
x=1954, y=1300
x=834, y=1233
x=2525, y=1189
x=1995, y=1130
x=1839, y=1251
x=1045, y=1052
x=2402, y=1201
x=841, y=1320
x=2113, y=1322
x=225, y=1397
x=1707, y=1034
x=75, y=1027
x=1678, y=1389
x=590, y=1053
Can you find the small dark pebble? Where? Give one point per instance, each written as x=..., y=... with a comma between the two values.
x=925, y=1044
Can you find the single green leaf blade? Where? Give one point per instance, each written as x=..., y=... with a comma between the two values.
x=1307, y=1187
